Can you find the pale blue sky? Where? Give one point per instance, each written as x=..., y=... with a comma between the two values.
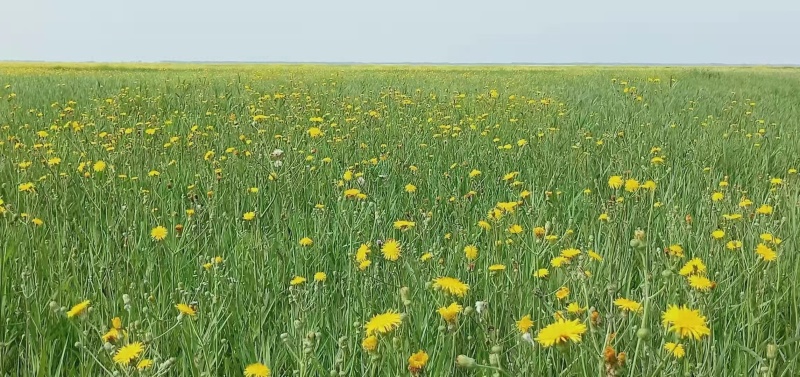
x=454, y=31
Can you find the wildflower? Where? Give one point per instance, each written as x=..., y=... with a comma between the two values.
x=701, y=283
x=765, y=209
x=675, y=250
x=128, y=353
x=733, y=245
x=463, y=361
x=745, y=203
x=627, y=305
x=320, y=277
x=471, y=252
x=559, y=261
x=732, y=216
x=158, y=233
x=615, y=182
x=404, y=224
x=484, y=225
x=352, y=193
x=26, y=187
x=562, y=293
x=685, y=322
x=539, y=232
x=524, y=324
x=426, y=257
x=649, y=185
x=305, y=242
x=766, y=253
x=657, y=160
x=497, y=268
x=718, y=234
x=561, y=332
x=257, y=370
x=474, y=173
x=570, y=253
x=249, y=216
x=186, y=310
x=315, y=132
x=510, y=176
x=575, y=308
x=362, y=253
x=383, y=323
x=541, y=273
x=515, y=229
x=717, y=196
x=451, y=286
x=370, y=343
x=409, y=188
x=603, y=217
x=99, y=166
x=693, y=266
x=391, y=250
x=144, y=364
x=631, y=185
x=297, y=280
x=417, y=361
x=675, y=349
x=37, y=221
x=364, y=265
x=449, y=313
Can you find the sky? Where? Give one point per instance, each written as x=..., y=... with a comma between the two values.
x=408, y=31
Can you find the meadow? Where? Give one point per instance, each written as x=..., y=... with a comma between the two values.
x=275, y=220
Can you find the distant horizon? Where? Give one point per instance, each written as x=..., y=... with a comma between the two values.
x=430, y=63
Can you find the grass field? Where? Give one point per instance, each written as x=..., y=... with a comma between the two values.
x=390, y=221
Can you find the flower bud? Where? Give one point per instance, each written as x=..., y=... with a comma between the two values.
x=772, y=351
x=462, y=361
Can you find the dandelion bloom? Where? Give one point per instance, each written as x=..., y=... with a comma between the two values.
x=733, y=245
x=592, y=254
x=570, y=253
x=675, y=250
x=484, y=225
x=320, y=277
x=256, y=370
x=362, y=253
x=128, y=353
x=451, y=286
x=450, y=312
x=515, y=229
x=471, y=252
x=627, y=305
x=352, y=193
x=383, y=323
x=575, y=308
x=603, y=217
x=717, y=196
x=249, y=216
x=391, y=250
x=675, y=349
x=314, y=132
x=404, y=224
x=497, y=267
x=559, y=261
x=615, y=182
x=562, y=293
x=417, y=361
x=410, y=188
x=685, y=322
x=99, y=166
x=144, y=364
x=158, y=233
x=78, y=309
x=764, y=210
x=524, y=324
x=297, y=280
x=766, y=253
x=631, y=185
x=693, y=266
x=305, y=241
x=718, y=234
x=561, y=332
x=541, y=273
x=370, y=343
x=539, y=232
x=186, y=310
x=474, y=173
x=700, y=283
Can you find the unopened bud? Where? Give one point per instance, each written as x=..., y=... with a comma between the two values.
x=463, y=361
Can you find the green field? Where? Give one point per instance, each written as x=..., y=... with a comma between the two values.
x=302, y=217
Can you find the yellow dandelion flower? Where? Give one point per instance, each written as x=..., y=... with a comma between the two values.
x=693, y=266
x=256, y=370
x=383, y=323
x=524, y=324
x=561, y=332
x=391, y=250
x=627, y=305
x=78, y=309
x=515, y=229
x=675, y=349
x=370, y=343
x=541, y=273
x=570, y=253
x=718, y=234
x=144, y=364
x=451, y=286
x=701, y=283
x=409, y=188
x=685, y=322
x=297, y=280
x=764, y=210
x=592, y=254
x=320, y=277
x=158, y=233
x=562, y=293
x=471, y=252
x=186, y=310
x=733, y=245
x=128, y=353
x=305, y=242
x=417, y=361
x=449, y=313
x=249, y=216
x=404, y=224
x=766, y=253
x=615, y=182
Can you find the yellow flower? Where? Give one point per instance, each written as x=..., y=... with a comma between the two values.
x=631, y=185
x=627, y=305
x=370, y=343
x=675, y=349
x=26, y=187
x=717, y=196
x=158, y=233
x=362, y=253
x=391, y=250
x=426, y=257
x=559, y=261
x=363, y=265
x=562, y=293
x=305, y=241
x=765, y=209
x=718, y=234
x=541, y=273
x=249, y=216
x=417, y=361
x=745, y=203
x=297, y=280
x=685, y=322
x=497, y=267
x=320, y=277
x=471, y=252
x=657, y=160
x=649, y=185
x=733, y=245
x=128, y=353
x=603, y=217
x=561, y=332
x=410, y=188
x=693, y=266
x=257, y=370
x=450, y=312
x=404, y=224
x=524, y=324
x=186, y=310
x=575, y=308
x=78, y=309
x=474, y=173
x=451, y=286
x=99, y=166
x=675, y=250
x=615, y=182
x=383, y=323
x=539, y=232
x=315, y=132
x=766, y=253
x=352, y=193
x=700, y=283
x=570, y=253
x=37, y=221
x=484, y=225
x=515, y=229
x=144, y=364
